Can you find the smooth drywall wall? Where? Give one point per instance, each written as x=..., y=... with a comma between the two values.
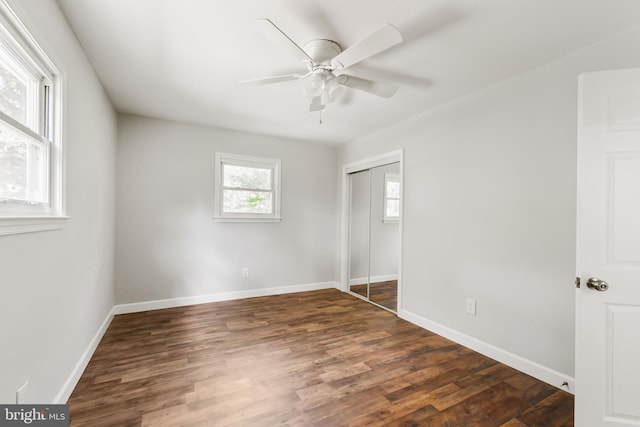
x=489, y=206
x=168, y=244
x=56, y=287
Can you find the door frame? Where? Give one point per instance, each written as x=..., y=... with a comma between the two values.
x=357, y=166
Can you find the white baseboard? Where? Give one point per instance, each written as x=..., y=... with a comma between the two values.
x=76, y=373
x=534, y=369
x=222, y=296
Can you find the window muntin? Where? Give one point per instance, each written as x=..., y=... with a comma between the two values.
x=391, y=197
x=248, y=188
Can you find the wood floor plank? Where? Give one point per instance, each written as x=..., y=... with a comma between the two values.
x=514, y=423
x=491, y=407
x=554, y=411
x=321, y=358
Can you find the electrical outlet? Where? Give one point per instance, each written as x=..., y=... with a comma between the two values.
x=245, y=272
x=21, y=393
x=471, y=306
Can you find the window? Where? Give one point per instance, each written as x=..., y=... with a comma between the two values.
x=30, y=144
x=391, y=197
x=247, y=188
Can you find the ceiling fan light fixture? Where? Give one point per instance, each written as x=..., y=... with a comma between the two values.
x=333, y=88
x=314, y=85
x=323, y=84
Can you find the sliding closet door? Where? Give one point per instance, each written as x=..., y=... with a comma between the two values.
x=359, y=215
x=384, y=232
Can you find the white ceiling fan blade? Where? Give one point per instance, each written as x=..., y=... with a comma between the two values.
x=273, y=79
x=316, y=104
x=290, y=45
x=373, y=44
x=385, y=90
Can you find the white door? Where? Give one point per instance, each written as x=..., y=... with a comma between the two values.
x=608, y=249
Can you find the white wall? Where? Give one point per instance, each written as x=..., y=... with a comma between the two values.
x=168, y=244
x=56, y=287
x=489, y=209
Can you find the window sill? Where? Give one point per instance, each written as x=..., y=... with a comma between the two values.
x=25, y=224
x=390, y=221
x=246, y=219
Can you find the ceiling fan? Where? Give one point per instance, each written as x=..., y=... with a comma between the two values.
x=325, y=59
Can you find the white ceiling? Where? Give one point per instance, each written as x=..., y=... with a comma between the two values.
x=181, y=59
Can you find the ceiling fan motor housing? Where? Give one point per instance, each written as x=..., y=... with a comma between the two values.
x=322, y=51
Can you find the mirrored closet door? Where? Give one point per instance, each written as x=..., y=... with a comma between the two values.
x=374, y=234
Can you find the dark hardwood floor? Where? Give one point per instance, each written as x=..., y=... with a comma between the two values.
x=322, y=358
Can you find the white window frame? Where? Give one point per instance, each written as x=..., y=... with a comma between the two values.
x=249, y=161
x=390, y=177
x=24, y=216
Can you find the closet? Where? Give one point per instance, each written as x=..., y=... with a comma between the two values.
x=374, y=234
